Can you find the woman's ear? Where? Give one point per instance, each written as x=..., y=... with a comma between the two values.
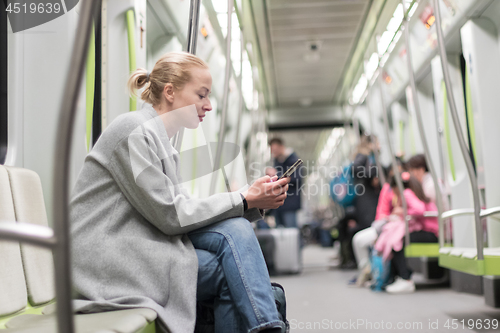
x=168, y=92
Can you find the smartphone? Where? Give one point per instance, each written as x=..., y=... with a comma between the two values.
x=290, y=170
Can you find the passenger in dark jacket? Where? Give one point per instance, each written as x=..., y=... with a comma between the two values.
x=367, y=188
x=284, y=158
x=367, y=183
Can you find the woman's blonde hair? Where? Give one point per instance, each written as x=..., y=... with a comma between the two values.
x=173, y=67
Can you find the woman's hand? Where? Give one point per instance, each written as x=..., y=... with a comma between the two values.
x=267, y=192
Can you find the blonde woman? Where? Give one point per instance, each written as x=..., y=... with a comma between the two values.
x=140, y=240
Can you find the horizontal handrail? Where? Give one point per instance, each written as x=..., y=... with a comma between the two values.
x=27, y=233
x=464, y=211
x=490, y=211
x=457, y=212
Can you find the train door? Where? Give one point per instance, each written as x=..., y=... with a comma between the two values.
x=456, y=173
x=480, y=42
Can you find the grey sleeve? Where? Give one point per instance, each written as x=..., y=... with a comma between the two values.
x=151, y=186
x=253, y=215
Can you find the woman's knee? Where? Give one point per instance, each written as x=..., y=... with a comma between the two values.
x=359, y=239
x=231, y=232
x=237, y=226
x=225, y=233
x=365, y=237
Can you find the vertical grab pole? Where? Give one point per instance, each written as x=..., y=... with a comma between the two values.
x=347, y=127
x=132, y=62
x=195, y=23
x=192, y=10
x=240, y=101
x=376, y=152
x=381, y=174
x=355, y=126
x=90, y=88
x=67, y=113
x=397, y=175
x=458, y=130
x=194, y=18
x=345, y=137
x=222, y=127
x=416, y=104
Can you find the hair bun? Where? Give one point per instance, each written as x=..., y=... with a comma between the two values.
x=174, y=68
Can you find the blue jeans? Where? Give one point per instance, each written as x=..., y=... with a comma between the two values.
x=232, y=271
x=288, y=219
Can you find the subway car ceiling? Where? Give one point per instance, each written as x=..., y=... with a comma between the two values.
x=315, y=53
x=320, y=64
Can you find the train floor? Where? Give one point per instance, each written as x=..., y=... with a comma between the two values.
x=319, y=300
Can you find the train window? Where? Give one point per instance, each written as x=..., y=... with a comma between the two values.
x=3, y=83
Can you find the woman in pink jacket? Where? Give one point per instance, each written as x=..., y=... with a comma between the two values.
x=422, y=230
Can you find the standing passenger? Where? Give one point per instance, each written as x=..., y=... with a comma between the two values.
x=365, y=174
x=284, y=158
x=140, y=240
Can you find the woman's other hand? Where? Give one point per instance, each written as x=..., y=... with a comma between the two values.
x=267, y=192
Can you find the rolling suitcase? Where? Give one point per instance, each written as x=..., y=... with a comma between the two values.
x=287, y=252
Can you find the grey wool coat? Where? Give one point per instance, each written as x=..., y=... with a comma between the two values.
x=129, y=219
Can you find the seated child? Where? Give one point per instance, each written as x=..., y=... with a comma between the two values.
x=422, y=230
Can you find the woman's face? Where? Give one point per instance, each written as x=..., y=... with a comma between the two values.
x=194, y=95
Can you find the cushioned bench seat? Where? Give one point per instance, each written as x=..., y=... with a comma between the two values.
x=122, y=321
x=465, y=260
x=469, y=252
x=27, y=274
x=417, y=250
